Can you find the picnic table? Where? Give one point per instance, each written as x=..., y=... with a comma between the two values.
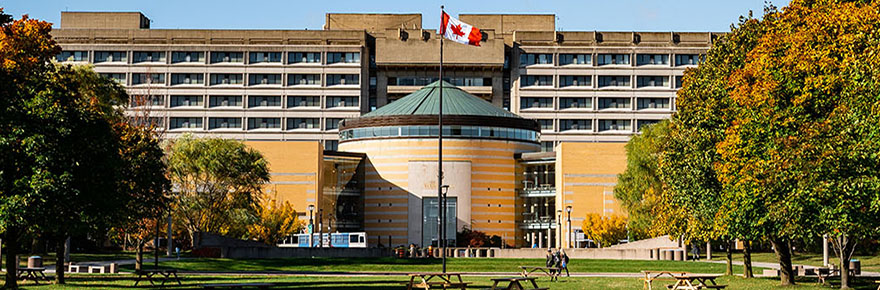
x=238, y=285
x=153, y=275
x=443, y=280
x=552, y=272
x=33, y=274
x=650, y=276
x=513, y=283
x=690, y=281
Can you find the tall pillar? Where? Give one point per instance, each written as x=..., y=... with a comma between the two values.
x=708, y=251
x=825, y=250
x=540, y=239
x=170, y=238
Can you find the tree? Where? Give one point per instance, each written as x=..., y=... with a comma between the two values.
x=218, y=182
x=640, y=186
x=471, y=238
x=604, y=230
x=804, y=143
x=275, y=221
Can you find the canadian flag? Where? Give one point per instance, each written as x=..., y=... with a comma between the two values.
x=459, y=31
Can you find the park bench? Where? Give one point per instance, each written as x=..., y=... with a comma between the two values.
x=444, y=281
x=516, y=283
x=651, y=276
x=695, y=282
x=153, y=275
x=238, y=285
x=33, y=274
x=552, y=272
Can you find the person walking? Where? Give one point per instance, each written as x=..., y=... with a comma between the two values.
x=563, y=263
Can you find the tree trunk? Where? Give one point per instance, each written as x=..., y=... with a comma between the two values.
x=11, y=261
x=783, y=254
x=59, y=260
x=747, y=259
x=729, y=251
x=845, y=245
x=844, y=272
x=139, y=256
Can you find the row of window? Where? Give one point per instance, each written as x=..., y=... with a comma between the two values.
x=215, y=57
x=220, y=123
x=601, y=81
x=603, y=125
x=176, y=101
x=587, y=103
x=432, y=131
x=424, y=81
x=215, y=79
x=527, y=59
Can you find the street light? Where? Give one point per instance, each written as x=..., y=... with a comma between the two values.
x=559, y=227
x=320, y=228
x=568, y=210
x=311, y=226
x=442, y=228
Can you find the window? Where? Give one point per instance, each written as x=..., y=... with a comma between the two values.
x=333, y=102
x=185, y=123
x=332, y=123
x=547, y=146
x=575, y=81
x=264, y=123
x=145, y=79
x=148, y=56
x=528, y=81
x=687, y=59
x=652, y=81
x=578, y=59
x=186, y=101
x=643, y=123
x=678, y=80
x=72, y=56
x=304, y=57
x=264, y=101
x=534, y=103
x=224, y=101
x=303, y=123
x=607, y=59
x=303, y=101
x=118, y=77
x=652, y=59
x=187, y=79
x=141, y=100
x=575, y=124
x=331, y=145
x=614, y=103
x=226, y=79
x=571, y=103
x=264, y=79
x=224, y=123
x=227, y=57
x=265, y=57
x=546, y=124
x=343, y=57
x=614, y=81
x=346, y=79
x=303, y=79
x=615, y=125
x=111, y=56
x=653, y=103
x=527, y=59
x=187, y=57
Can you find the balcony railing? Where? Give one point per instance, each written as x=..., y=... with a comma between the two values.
x=541, y=191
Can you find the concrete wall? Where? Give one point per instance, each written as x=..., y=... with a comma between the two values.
x=591, y=253
x=124, y=20
x=274, y=252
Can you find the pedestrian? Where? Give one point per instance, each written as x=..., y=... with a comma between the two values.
x=695, y=251
x=551, y=263
x=563, y=263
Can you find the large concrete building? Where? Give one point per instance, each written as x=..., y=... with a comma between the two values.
x=564, y=101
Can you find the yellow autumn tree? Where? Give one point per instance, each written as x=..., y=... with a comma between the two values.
x=275, y=220
x=604, y=230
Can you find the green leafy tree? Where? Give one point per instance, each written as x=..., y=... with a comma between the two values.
x=640, y=186
x=219, y=183
x=803, y=148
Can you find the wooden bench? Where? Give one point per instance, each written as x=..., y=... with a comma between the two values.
x=444, y=280
x=152, y=275
x=551, y=272
x=516, y=283
x=33, y=274
x=238, y=285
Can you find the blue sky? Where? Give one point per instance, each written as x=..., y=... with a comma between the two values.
x=607, y=15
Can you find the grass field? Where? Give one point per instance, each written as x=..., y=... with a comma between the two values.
x=393, y=282
x=869, y=263
x=421, y=265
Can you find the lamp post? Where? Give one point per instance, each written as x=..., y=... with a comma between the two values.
x=559, y=228
x=311, y=226
x=442, y=229
x=320, y=228
x=568, y=210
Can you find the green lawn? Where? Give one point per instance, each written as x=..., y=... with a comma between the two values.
x=416, y=265
x=393, y=282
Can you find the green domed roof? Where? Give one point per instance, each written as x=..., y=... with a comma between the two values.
x=426, y=101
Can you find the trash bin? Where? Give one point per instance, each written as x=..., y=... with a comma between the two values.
x=35, y=262
x=856, y=266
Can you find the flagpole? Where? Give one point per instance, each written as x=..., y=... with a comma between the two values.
x=441, y=202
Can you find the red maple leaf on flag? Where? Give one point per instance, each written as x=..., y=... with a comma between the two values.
x=456, y=29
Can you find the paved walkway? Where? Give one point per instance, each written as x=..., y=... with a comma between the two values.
x=775, y=266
